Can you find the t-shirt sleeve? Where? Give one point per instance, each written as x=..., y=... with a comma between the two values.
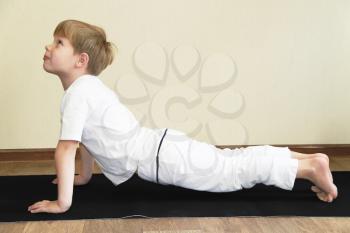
x=74, y=111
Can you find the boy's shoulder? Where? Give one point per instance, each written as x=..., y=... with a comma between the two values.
x=91, y=90
x=84, y=85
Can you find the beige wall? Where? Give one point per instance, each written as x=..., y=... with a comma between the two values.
x=283, y=67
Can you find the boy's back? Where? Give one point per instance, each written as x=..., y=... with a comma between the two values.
x=92, y=114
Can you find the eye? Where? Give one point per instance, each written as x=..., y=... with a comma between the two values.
x=59, y=42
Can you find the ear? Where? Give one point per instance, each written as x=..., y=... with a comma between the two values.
x=83, y=60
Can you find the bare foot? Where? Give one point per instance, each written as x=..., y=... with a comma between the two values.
x=327, y=159
x=301, y=156
x=321, y=176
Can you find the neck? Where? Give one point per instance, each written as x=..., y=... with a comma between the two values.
x=68, y=79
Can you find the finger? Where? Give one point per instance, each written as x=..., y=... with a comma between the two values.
x=33, y=207
x=37, y=204
x=38, y=210
x=41, y=207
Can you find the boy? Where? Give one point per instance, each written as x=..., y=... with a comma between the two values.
x=91, y=114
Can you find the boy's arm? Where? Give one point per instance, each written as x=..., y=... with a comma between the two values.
x=65, y=167
x=86, y=167
x=86, y=164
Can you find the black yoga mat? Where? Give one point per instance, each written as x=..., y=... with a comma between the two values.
x=140, y=198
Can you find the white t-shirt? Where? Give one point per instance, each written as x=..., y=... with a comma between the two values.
x=92, y=114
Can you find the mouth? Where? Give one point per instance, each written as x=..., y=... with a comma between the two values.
x=45, y=57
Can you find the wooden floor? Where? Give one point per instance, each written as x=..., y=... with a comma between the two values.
x=171, y=225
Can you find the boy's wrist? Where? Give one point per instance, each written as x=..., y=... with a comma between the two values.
x=64, y=205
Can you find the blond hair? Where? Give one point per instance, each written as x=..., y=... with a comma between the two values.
x=90, y=39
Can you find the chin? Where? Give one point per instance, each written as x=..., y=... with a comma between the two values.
x=48, y=70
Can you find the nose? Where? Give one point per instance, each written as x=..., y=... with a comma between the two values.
x=47, y=47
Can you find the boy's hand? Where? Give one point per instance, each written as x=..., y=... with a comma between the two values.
x=78, y=180
x=46, y=206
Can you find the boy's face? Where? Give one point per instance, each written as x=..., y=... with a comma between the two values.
x=59, y=57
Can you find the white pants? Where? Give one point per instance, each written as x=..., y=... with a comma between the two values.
x=192, y=164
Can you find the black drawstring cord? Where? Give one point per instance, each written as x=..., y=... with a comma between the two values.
x=158, y=154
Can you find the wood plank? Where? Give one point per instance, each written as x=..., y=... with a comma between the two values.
x=12, y=227
x=67, y=226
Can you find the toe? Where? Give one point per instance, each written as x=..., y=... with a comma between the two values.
x=316, y=189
